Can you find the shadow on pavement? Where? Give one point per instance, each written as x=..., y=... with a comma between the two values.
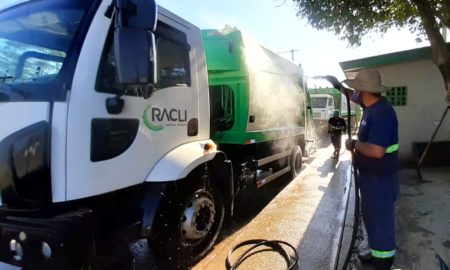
x=317, y=248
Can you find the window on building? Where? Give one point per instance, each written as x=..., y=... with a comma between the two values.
x=397, y=96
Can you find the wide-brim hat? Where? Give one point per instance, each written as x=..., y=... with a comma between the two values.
x=368, y=80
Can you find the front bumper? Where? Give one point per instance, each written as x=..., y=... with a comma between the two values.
x=60, y=242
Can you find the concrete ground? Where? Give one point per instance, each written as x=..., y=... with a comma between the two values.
x=423, y=219
x=307, y=213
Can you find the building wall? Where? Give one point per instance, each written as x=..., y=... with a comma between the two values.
x=425, y=104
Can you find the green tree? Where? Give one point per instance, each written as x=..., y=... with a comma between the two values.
x=352, y=19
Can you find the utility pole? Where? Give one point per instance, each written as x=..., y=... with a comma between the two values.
x=291, y=51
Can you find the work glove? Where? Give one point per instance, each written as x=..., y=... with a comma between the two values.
x=350, y=144
x=334, y=81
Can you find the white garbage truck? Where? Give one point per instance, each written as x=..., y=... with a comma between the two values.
x=105, y=135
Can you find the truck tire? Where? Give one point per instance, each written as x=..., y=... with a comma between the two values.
x=187, y=224
x=296, y=161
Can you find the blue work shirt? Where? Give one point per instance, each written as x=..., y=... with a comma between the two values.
x=378, y=126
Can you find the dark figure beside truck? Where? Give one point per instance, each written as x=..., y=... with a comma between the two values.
x=336, y=125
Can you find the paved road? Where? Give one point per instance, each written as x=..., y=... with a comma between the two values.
x=307, y=213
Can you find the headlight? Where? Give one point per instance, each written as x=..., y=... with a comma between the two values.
x=24, y=166
x=29, y=151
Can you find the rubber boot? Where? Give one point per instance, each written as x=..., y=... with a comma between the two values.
x=364, y=253
x=365, y=256
x=382, y=263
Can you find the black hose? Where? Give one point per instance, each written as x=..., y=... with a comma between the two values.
x=357, y=199
x=338, y=85
x=274, y=245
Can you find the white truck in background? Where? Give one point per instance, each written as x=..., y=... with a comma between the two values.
x=325, y=101
x=323, y=107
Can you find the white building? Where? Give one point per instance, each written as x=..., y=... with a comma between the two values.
x=418, y=96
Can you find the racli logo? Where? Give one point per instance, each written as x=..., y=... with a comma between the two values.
x=162, y=117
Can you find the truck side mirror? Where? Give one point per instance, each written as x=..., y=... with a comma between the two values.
x=134, y=41
x=135, y=54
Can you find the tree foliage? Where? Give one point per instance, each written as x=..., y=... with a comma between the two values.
x=352, y=19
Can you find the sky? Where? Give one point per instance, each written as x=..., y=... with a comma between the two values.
x=274, y=24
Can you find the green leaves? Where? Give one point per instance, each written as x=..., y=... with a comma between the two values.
x=352, y=19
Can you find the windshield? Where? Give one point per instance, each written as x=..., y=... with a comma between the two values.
x=36, y=44
x=319, y=102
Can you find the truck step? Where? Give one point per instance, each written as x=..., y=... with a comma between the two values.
x=272, y=158
x=270, y=178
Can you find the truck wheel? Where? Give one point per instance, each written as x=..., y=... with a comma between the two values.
x=187, y=224
x=296, y=161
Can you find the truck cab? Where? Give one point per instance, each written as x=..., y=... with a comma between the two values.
x=105, y=119
x=323, y=107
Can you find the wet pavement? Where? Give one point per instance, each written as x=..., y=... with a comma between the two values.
x=307, y=213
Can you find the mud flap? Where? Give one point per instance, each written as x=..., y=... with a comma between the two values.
x=152, y=198
x=221, y=171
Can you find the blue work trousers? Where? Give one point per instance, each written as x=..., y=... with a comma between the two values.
x=378, y=196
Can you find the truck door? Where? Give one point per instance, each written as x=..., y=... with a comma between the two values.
x=310, y=132
x=330, y=106
x=110, y=151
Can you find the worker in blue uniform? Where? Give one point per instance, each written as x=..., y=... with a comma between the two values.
x=376, y=161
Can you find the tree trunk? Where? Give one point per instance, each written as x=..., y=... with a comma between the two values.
x=438, y=46
x=445, y=14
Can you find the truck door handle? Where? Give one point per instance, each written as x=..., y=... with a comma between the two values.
x=192, y=127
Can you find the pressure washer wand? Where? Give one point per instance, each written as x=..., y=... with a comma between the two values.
x=345, y=91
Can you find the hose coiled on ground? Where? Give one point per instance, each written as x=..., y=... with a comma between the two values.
x=274, y=245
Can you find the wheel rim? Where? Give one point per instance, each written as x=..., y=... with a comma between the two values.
x=197, y=218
